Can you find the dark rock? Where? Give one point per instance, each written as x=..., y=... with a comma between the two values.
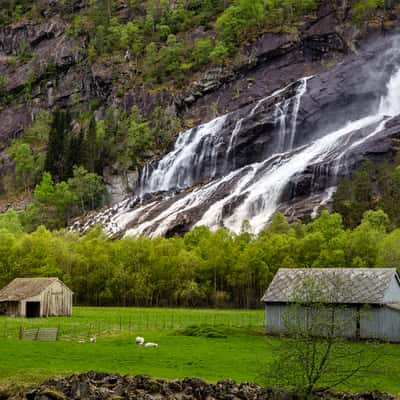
x=187, y=389
x=13, y=123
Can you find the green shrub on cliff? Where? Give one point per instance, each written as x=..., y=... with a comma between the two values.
x=365, y=9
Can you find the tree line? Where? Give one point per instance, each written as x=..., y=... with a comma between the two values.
x=203, y=268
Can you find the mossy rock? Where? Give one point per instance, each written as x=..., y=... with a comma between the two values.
x=54, y=394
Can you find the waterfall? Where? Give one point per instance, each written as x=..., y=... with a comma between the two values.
x=208, y=178
x=181, y=167
x=260, y=185
x=195, y=155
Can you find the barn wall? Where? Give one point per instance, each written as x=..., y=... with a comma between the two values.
x=278, y=315
x=55, y=301
x=381, y=323
x=11, y=308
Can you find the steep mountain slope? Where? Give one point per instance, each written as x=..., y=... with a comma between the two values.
x=280, y=94
x=286, y=151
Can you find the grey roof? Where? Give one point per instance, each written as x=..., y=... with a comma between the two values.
x=24, y=288
x=334, y=285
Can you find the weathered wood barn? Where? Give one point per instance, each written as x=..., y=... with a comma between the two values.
x=36, y=297
x=368, y=299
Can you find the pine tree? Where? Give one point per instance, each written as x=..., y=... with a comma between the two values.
x=58, y=144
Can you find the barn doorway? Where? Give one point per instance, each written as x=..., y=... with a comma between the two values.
x=33, y=309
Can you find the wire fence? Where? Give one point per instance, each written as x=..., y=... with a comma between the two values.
x=85, y=324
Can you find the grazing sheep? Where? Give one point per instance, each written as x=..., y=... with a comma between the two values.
x=93, y=339
x=140, y=341
x=151, y=344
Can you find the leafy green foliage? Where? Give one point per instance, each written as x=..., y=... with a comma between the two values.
x=239, y=20
x=365, y=9
x=28, y=164
x=55, y=204
x=201, y=269
x=127, y=140
x=370, y=187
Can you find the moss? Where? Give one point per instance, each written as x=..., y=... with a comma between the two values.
x=53, y=394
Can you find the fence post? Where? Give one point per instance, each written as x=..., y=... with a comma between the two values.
x=21, y=332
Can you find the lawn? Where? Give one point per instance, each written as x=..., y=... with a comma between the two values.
x=241, y=356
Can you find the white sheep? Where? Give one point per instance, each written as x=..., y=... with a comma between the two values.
x=151, y=344
x=93, y=339
x=139, y=341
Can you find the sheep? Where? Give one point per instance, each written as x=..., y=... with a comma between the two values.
x=139, y=341
x=93, y=339
x=151, y=344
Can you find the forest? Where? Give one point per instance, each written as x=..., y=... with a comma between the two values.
x=203, y=268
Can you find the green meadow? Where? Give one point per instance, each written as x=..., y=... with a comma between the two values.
x=239, y=353
x=103, y=321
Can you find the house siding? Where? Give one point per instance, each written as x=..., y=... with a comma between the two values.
x=380, y=323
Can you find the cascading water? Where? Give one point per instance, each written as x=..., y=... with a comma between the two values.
x=250, y=192
x=180, y=168
x=185, y=165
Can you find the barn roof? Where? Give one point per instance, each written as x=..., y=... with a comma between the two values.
x=334, y=285
x=24, y=288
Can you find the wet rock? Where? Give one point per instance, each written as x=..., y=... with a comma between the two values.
x=12, y=37
x=13, y=122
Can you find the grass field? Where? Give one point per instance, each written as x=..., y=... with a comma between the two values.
x=88, y=321
x=242, y=355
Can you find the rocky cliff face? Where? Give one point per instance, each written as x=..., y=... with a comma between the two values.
x=286, y=151
x=266, y=109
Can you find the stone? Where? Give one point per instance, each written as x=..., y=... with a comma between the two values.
x=186, y=389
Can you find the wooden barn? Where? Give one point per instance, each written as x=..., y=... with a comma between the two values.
x=366, y=300
x=36, y=297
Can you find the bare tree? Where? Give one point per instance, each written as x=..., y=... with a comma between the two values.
x=316, y=355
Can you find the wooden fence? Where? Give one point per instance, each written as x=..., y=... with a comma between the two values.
x=43, y=334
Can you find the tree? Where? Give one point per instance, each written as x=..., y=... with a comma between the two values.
x=28, y=165
x=219, y=53
x=239, y=21
x=201, y=51
x=58, y=144
x=88, y=188
x=315, y=356
x=151, y=61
